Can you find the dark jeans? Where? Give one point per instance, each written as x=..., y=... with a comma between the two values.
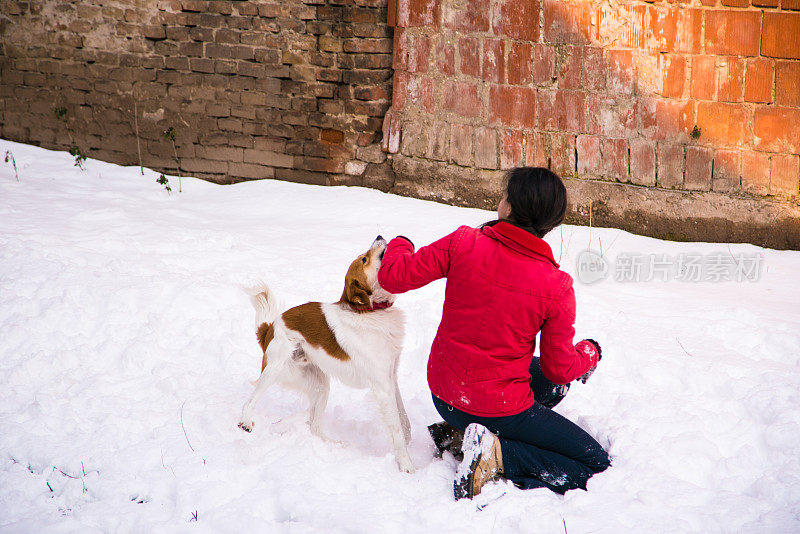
x=541, y=449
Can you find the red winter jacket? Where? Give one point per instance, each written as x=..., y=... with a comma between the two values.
x=503, y=288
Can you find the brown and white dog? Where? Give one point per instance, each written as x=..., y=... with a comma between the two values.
x=357, y=340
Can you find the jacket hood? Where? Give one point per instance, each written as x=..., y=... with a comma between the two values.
x=520, y=241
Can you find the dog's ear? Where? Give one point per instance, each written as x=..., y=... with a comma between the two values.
x=357, y=293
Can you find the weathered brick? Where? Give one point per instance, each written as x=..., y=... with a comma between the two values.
x=622, y=24
x=780, y=35
x=512, y=106
x=699, y=162
x=589, y=156
x=544, y=61
x=703, y=77
x=519, y=63
x=642, y=162
x=674, y=68
x=732, y=32
x=485, y=148
x=568, y=67
x=414, y=139
x=561, y=110
x=787, y=83
x=517, y=19
x=666, y=120
x=420, y=93
x=471, y=16
x=675, y=29
x=724, y=125
x=613, y=116
x=568, y=22
x=620, y=71
x=670, y=166
x=461, y=144
x=219, y=153
x=594, y=69
x=469, y=54
x=775, y=129
x=730, y=81
x=445, y=57
x=263, y=157
x=537, y=152
x=512, y=147
x=461, y=98
x=758, y=80
x=727, y=165
x=784, y=174
x=755, y=172
x=493, y=60
x=439, y=141
x=416, y=13
x=562, y=154
x=368, y=46
x=615, y=159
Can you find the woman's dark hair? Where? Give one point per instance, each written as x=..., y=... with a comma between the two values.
x=537, y=197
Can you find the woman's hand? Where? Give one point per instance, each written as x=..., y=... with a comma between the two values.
x=592, y=347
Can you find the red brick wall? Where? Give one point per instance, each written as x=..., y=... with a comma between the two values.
x=600, y=91
x=290, y=89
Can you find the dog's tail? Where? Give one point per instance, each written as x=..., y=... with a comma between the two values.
x=267, y=306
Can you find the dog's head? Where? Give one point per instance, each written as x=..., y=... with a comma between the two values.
x=361, y=287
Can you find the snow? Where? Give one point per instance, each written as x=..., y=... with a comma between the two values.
x=127, y=350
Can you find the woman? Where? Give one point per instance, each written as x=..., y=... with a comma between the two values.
x=504, y=288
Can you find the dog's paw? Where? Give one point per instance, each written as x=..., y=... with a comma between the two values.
x=406, y=466
x=247, y=426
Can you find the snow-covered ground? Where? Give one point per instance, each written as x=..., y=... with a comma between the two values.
x=127, y=351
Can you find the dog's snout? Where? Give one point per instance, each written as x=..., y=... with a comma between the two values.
x=380, y=238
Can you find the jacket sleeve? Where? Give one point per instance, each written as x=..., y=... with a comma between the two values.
x=403, y=269
x=561, y=361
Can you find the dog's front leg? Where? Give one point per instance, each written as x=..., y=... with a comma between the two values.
x=401, y=409
x=387, y=403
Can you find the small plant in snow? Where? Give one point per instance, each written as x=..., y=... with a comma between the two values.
x=75, y=151
x=163, y=180
x=10, y=156
x=170, y=135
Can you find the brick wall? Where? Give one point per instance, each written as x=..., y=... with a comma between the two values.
x=671, y=119
x=288, y=89
x=675, y=120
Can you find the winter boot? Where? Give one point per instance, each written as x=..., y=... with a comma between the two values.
x=483, y=461
x=446, y=438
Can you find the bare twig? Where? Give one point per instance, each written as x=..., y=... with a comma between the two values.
x=184, y=428
x=684, y=350
x=164, y=466
x=178, y=161
x=83, y=482
x=65, y=474
x=138, y=141
x=564, y=521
